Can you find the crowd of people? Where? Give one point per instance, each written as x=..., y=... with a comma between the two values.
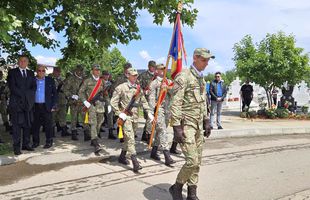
x=35, y=100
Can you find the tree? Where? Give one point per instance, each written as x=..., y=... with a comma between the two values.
x=87, y=25
x=271, y=62
x=229, y=76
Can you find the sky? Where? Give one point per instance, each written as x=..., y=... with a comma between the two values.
x=220, y=24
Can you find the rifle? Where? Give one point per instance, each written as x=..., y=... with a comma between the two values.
x=127, y=111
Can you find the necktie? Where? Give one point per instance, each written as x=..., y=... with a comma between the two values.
x=24, y=74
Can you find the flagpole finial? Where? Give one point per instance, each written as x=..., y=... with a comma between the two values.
x=180, y=6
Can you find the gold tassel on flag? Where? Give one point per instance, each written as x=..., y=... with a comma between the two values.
x=86, y=118
x=120, y=132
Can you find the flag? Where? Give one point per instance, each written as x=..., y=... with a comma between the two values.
x=177, y=48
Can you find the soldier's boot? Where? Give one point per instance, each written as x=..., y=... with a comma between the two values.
x=135, y=163
x=7, y=126
x=192, y=192
x=64, y=131
x=58, y=127
x=97, y=147
x=122, y=158
x=173, y=148
x=154, y=153
x=168, y=160
x=78, y=125
x=74, y=135
x=86, y=135
x=176, y=191
x=111, y=136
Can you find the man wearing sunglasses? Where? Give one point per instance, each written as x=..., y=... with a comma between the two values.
x=218, y=93
x=45, y=103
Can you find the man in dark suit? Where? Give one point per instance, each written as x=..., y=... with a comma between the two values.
x=22, y=87
x=45, y=104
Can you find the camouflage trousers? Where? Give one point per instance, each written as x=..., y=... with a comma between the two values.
x=75, y=111
x=109, y=115
x=163, y=138
x=3, y=111
x=192, y=150
x=129, y=130
x=95, y=120
x=148, y=124
x=60, y=115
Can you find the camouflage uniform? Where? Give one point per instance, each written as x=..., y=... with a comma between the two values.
x=96, y=110
x=4, y=94
x=72, y=86
x=189, y=112
x=120, y=100
x=60, y=115
x=145, y=80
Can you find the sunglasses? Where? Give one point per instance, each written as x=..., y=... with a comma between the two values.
x=41, y=70
x=217, y=76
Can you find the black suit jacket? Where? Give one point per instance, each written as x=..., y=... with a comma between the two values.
x=22, y=91
x=51, y=96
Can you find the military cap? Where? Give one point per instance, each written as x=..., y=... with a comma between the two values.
x=203, y=52
x=95, y=66
x=105, y=72
x=127, y=65
x=132, y=71
x=152, y=63
x=160, y=66
x=79, y=67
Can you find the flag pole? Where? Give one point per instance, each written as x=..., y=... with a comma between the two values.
x=161, y=93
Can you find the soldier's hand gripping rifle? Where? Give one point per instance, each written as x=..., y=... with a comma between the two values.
x=127, y=111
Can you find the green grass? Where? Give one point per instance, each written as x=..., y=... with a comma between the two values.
x=6, y=147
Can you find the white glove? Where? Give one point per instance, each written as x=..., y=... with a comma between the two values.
x=151, y=117
x=123, y=116
x=109, y=109
x=87, y=104
x=75, y=97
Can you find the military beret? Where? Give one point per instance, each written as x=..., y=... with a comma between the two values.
x=203, y=52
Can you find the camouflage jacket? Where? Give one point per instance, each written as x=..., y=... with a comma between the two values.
x=4, y=91
x=122, y=96
x=154, y=94
x=71, y=87
x=189, y=99
x=59, y=83
x=145, y=80
x=87, y=87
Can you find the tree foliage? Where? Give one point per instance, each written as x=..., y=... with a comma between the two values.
x=272, y=61
x=87, y=25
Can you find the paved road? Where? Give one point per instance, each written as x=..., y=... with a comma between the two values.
x=258, y=168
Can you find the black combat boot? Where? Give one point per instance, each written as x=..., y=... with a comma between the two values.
x=111, y=136
x=86, y=135
x=64, y=131
x=154, y=153
x=176, y=191
x=94, y=142
x=58, y=127
x=7, y=126
x=192, y=192
x=168, y=160
x=135, y=163
x=173, y=148
x=78, y=125
x=122, y=158
x=74, y=135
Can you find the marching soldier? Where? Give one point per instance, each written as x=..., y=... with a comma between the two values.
x=145, y=80
x=4, y=94
x=71, y=90
x=59, y=116
x=120, y=102
x=190, y=121
x=92, y=95
x=163, y=138
x=121, y=78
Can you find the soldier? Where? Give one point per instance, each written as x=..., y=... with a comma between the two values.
x=145, y=80
x=163, y=138
x=59, y=116
x=108, y=109
x=92, y=88
x=189, y=119
x=71, y=90
x=4, y=94
x=120, y=101
x=121, y=78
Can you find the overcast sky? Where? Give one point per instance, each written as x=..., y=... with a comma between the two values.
x=220, y=24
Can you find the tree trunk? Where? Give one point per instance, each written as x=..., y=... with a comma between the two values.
x=269, y=100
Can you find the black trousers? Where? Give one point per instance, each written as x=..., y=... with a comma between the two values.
x=19, y=127
x=246, y=102
x=42, y=117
